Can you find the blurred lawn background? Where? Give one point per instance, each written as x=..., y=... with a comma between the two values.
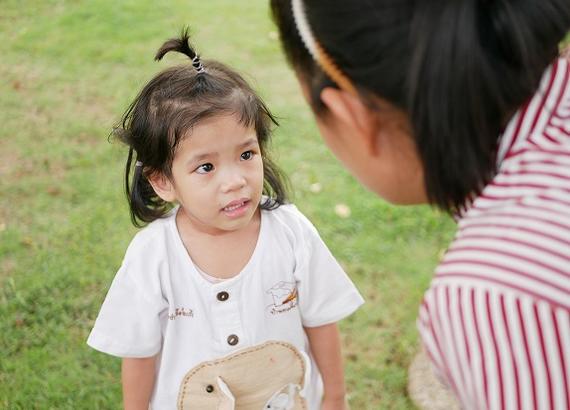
x=68, y=70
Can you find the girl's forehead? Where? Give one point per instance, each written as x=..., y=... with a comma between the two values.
x=220, y=125
x=219, y=133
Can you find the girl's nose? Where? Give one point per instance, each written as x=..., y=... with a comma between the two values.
x=233, y=181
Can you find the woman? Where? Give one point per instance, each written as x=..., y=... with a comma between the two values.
x=464, y=105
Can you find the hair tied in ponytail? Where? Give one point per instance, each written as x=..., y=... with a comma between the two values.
x=182, y=45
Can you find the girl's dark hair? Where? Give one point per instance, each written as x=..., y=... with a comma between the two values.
x=168, y=107
x=459, y=68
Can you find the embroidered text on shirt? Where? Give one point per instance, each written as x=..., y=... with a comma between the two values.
x=181, y=312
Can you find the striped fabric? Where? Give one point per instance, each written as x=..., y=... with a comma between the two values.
x=496, y=319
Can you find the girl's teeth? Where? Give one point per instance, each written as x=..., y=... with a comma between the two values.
x=233, y=207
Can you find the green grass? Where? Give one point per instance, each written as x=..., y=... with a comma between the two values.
x=68, y=70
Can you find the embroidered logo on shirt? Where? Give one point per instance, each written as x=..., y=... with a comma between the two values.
x=284, y=297
x=181, y=312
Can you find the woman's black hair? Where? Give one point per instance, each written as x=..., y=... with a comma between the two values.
x=459, y=68
x=169, y=106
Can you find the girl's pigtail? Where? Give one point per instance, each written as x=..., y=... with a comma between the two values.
x=180, y=45
x=144, y=205
x=275, y=185
x=128, y=188
x=136, y=202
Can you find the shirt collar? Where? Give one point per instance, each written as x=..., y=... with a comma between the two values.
x=533, y=116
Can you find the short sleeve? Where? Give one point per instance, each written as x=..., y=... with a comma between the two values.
x=326, y=293
x=128, y=324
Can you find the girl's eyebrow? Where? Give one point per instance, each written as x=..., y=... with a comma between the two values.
x=200, y=157
x=248, y=142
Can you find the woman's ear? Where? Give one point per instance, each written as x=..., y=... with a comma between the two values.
x=355, y=115
x=162, y=186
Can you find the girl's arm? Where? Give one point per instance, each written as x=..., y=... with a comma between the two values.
x=326, y=348
x=138, y=382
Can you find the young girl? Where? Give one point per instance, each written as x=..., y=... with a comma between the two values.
x=229, y=268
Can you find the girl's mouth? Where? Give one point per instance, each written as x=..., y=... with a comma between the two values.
x=237, y=208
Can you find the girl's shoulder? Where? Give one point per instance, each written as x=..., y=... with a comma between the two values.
x=147, y=259
x=152, y=240
x=290, y=218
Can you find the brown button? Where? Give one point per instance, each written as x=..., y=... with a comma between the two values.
x=233, y=340
x=209, y=388
x=223, y=296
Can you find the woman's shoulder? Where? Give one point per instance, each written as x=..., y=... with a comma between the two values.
x=513, y=244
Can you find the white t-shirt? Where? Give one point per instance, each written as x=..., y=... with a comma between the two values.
x=159, y=303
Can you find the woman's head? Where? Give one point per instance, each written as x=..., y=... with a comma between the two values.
x=449, y=74
x=166, y=113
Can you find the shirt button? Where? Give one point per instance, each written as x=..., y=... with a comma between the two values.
x=233, y=340
x=223, y=296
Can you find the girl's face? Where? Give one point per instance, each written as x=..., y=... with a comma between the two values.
x=217, y=175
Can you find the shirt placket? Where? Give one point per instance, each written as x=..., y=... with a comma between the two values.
x=226, y=318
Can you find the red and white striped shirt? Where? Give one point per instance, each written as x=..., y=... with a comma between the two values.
x=496, y=318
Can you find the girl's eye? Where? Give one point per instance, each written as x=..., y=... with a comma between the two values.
x=204, y=168
x=247, y=155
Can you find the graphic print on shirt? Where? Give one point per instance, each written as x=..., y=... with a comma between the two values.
x=266, y=376
x=283, y=297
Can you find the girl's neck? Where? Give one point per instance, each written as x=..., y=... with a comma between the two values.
x=204, y=246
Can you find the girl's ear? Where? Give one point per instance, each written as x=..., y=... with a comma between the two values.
x=356, y=116
x=162, y=186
